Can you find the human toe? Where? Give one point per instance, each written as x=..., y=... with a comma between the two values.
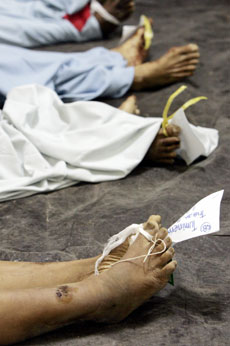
x=173, y=130
x=163, y=244
x=189, y=48
x=193, y=47
x=171, y=149
x=184, y=68
x=167, y=256
x=152, y=223
x=168, y=141
x=162, y=233
x=168, y=269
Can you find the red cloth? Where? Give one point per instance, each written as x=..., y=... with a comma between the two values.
x=79, y=19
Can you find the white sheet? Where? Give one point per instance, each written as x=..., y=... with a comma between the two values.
x=46, y=145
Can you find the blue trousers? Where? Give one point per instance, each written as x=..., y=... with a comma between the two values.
x=98, y=72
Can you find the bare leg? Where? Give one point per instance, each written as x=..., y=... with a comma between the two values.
x=21, y=275
x=28, y=274
x=30, y=312
x=120, y=9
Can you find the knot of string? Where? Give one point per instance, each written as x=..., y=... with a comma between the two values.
x=149, y=253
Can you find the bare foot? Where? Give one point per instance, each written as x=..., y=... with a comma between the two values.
x=127, y=285
x=176, y=64
x=163, y=149
x=114, y=256
x=133, y=50
x=120, y=9
x=130, y=105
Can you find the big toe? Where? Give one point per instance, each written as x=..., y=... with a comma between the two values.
x=173, y=130
x=193, y=47
x=152, y=225
x=188, y=49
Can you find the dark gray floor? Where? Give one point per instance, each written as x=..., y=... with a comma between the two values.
x=76, y=222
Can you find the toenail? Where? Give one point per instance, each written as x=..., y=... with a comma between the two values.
x=193, y=45
x=150, y=225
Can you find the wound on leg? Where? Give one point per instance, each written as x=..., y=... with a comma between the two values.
x=64, y=294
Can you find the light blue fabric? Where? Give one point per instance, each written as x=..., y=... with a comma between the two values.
x=30, y=23
x=98, y=72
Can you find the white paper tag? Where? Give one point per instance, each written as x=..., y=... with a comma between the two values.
x=202, y=219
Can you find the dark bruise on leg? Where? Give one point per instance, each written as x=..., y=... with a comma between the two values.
x=64, y=294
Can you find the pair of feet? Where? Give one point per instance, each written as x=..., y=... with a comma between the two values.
x=163, y=149
x=122, y=287
x=125, y=286
x=124, y=283
x=176, y=64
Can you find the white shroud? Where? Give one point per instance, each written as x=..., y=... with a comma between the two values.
x=46, y=145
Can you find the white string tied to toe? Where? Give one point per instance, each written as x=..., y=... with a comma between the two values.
x=97, y=7
x=131, y=231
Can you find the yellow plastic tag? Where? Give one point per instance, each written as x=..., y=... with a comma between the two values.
x=148, y=35
x=187, y=104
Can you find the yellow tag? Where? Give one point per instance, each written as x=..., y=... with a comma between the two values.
x=148, y=35
x=184, y=106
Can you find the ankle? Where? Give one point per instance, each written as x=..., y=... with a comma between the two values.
x=139, y=78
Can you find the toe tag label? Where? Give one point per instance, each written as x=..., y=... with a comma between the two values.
x=203, y=218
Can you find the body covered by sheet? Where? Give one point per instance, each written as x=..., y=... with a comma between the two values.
x=47, y=145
